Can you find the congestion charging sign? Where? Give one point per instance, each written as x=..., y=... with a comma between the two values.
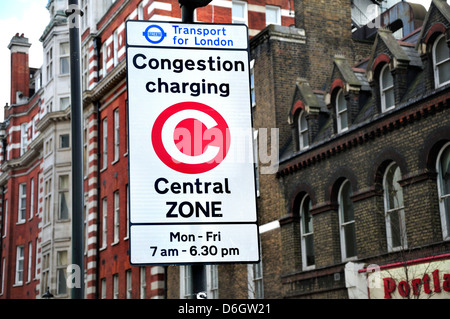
x=192, y=183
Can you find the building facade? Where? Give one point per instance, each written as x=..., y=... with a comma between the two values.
x=36, y=151
x=363, y=171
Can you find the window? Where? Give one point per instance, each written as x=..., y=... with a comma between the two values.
x=394, y=210
x=387, y=89
x=116, y=134
x=212, y=281
x=105, y=142
x=19, y=265
x=143, y=283
x=23, y=138
x=307, y=234
x=85, y=17
x=116, y=286
x=64, y=103
x=49, y=64
x=63, y=197
x=5, y=217
x=30, y=256
x=103, y=288
x=31, y=197
x=61, y=277
x=346, y=221
x=22, y=203
x=186, y=289
x=141, y=11
x=64, y=51
x=116, y=217
x=273, y=15
x=116, y=48
x=104, y=59
x=239, y=12
x=441, y=62
x=47, y=200
x=303, y=135
x=64, y=141
x=443, y=169
x=341, y=111
x=45, y=272
x=104, y=222
x=256, y=288
x=129, y=284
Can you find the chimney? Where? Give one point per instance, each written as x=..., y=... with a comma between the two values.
x=20, y=72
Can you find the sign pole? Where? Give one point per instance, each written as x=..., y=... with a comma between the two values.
x=74, y=14
x=198, y=271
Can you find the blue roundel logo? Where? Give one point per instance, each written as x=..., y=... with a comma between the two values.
x=154, y=34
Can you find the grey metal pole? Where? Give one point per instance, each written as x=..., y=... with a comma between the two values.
x=74, y=14
x=199, y=288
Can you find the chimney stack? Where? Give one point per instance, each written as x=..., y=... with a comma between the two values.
x=20, y=71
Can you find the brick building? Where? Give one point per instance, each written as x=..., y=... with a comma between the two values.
x=36, y=164
x=358, y=206
x=363, y=167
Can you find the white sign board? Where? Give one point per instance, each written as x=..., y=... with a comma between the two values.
x=192, y=183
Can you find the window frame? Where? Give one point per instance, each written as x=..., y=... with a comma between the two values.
x=383, y=90
x=20, y=263
x=339, y=113
x=388, y=212
x=304, y=235
x=277, y=11
x=445, y=216
x=302, y=132
x=64, y=57
x=239, y=20
x=22, y=205
x=342, y=224
x=436, y=64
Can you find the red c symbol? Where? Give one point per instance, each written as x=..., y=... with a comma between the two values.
x=191, y=138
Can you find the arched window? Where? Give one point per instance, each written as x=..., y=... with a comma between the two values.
x=303, y=135
x=443, y=169
x=394, y=209
x=441, y=62
x=347, y=221
x=341, y=111
x=387, y=89
x=307, y=233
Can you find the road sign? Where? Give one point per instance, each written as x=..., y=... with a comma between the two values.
x=192, y=182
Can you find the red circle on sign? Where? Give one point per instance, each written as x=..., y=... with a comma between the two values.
x=191, y=138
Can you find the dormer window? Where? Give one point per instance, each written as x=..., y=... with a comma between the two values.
x=303, y=135
x=387, y=89
x=341, y=111
x=441, y=62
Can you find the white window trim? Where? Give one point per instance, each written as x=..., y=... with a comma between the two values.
x=304, y=235
x=339, y=113
x=116, y=217
x=387, y=213
x=444, y=220
x=383, y=89
x=436, y=65
x=241, y=20
x=277, y=10
x=105, y=143
x=20, y=259
x=104, y=223
x=302, y=131
x=22, y=211
x=116, y=135
x=341, y=226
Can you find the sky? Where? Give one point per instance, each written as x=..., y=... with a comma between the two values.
x=30, y=17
